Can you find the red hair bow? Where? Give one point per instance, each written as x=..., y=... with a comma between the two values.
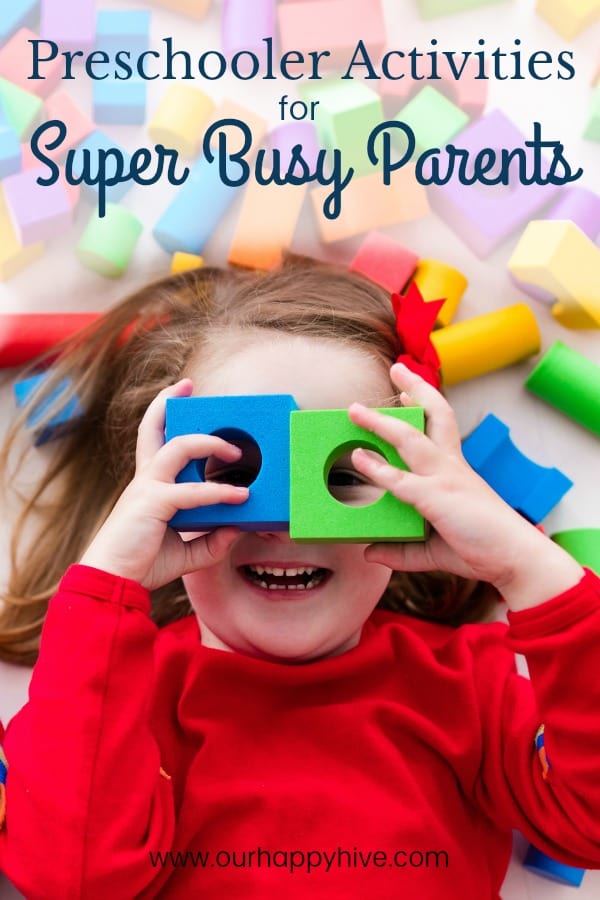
x=415, y=319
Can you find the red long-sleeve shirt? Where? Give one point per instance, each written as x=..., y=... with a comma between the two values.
x=396, y=769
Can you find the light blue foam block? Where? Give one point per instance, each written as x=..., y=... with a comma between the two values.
x=15, y=14
x=119, y=102
x=123, y=29
x=94, y=142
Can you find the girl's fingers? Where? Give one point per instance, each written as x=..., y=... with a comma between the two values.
x=151, y=431
x=402, y=557
x=189, y=495
x=208, y=549
x=416, y=449
x=402, y=484
x=172, y=456
x=440, y=422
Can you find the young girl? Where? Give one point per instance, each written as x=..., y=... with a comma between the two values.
x=234, y=715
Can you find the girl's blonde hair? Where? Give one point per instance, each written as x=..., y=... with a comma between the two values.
x=118, y=365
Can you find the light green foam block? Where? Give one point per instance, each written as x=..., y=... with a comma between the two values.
x=433, y=119
x=106, y=246
x=318, y=438
x=583, y=544
x=592, y=130
x=430, y=9
x=21, y=108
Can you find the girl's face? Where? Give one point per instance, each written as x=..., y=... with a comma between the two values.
x=327, y=590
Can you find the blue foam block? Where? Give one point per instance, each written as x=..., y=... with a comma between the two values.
x=15, y=14
x=266, y=420
x=198, y=207
x=94, y=142
x=531, y=489
x=62, y=420
x=123, y=29
x=10, y=152
x=120, y=102
x=543, y=865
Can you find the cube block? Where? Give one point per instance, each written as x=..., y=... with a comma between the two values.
x=65, y=413
x=10, y=152
x=244, y=25
x=592, y=129
x=431, y=9
x=319, y=437
x=92, y=144
x=15, y=64
x=263, y=419
x=433, y=118
x=331, y=25
x=119, y=102
x=229, y=109
x=569, y=17
x=384, y=261
x=123, y=29
x=541, y=864
x=20, y=107
x=38, y=212
x=266, y=224
x=13, y=258
x=71, y=25
x=583, y=544
x=79, y=126
x=16, y=14
x=529, y=488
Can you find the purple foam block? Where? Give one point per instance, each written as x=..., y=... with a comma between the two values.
x=244, y=25
x=483, y=216
x=38, y=212
x=71, y=25
x=287, y=136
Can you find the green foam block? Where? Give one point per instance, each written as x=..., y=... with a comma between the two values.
x=569, y=381
x=430, y=9
x=592, y=129
x=318, y=438
x=433, y=119
x=583, y=544
x=21, y=107
x=107, y=244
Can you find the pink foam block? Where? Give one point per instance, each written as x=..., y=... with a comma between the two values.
x=61, y=106
x=481, y=215
x=37, y=212
x=384, y=261
x=468, y=92
x=15, y=65
x=332, y=25
x=71, y=25
x=244, y=25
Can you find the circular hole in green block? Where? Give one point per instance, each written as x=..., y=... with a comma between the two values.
x=344, y=483
x=243, y=471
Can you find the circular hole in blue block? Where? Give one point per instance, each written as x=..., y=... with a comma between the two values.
x=243, y=471
x=345, y=484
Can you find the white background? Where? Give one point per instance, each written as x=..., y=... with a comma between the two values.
x=59, y=283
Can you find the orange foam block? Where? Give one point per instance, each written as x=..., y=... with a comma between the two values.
x=266, y=224
x=15, y=64
x=384, y=261
x=228, y=109
x=368, y=204
x=558, y=257
x=334, y=26
x=61, y=106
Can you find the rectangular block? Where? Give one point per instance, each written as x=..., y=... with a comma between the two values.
x=119, y=102
x=79, y=126
x=89, y=148
x=332, y=25
x=16, y=65
x=123, y=29
x=260, y=426
x=266, y=224
x=245, y=25
x=569, y=17
x=37, y=212
x=319, y=438
x=13, y=258
x=384, y=261
x=16, y=14
x=368, y=204
x=24, y=336
x=71, y=25
x=52, y=416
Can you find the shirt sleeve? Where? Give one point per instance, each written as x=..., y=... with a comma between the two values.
x=85, y=796
x=545, y=782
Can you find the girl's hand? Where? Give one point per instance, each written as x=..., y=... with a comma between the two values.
x=476, y=534
x=135, y=541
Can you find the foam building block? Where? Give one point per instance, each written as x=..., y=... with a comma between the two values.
x=184, y=262
x=180, y=119
x=431, y=9
x=569, y=381
x=38, y=212
x=384, y=261
x=592, y=129
x=266, y=224
x=17, y=14
x=559, y=258
x=79, y=126
x=319, y=437
x=368, y=204
x=21, y=107
x=264, y=420
x=24, y=336
x=229, y=109
x=583, y=544
x=481, y=216
x=71, y=25
x=569, y=17
x=13, y=258
x=123, y=29
x=15, y=64
x=10, y=149
x=541, y=864
x=468, y=92
x=119, y=102
x=486, y=343
x=529, y=488
x=94, y=142
x=436, y=279
x=244, y=25
x=433, y=118
x=347, y=113
x=285, y=137
x=196, y=210
x=107, y=244
x=47, y=427
x=331, y=25
x=197, y=9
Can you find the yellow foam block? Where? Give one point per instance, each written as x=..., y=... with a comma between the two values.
x=558, y=257
x=228, y=109
x=486, y=343
x=369, y=204
x=180, y=119
x=266, y=224
x=183, y=262
x=436, y=279
x=13, y=257
x=569, y=17
x=195, y=8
